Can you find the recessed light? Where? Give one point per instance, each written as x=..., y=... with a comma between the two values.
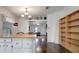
x=22, y=15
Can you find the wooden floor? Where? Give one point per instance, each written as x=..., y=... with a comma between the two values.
x=55, y=48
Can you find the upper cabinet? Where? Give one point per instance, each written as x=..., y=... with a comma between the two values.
x=5, y=25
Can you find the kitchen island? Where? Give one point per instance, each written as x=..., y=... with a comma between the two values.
x=21, y=43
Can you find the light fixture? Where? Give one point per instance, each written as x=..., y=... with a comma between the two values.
x=22, y=15
x=26, y=13
x=30, y=16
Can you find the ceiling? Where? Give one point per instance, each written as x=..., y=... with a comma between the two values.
x=35, y=11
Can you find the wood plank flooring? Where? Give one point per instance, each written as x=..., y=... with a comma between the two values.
x=55, y=48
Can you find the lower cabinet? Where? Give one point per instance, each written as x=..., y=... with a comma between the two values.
x=2, y=48
x=27, y=43
x=8, y=48
x=5, y=45
x=17, y=45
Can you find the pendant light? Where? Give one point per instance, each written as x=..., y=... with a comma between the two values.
x=26, y=14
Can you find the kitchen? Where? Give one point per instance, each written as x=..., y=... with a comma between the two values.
x=39, y=29
x=25, y=35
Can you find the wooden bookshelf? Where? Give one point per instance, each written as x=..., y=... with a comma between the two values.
x=69, y=31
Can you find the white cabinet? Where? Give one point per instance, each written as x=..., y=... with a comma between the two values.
x=22, y=45
x=7, y=40
x=8, y=48
x=8, y=45
x=27, y=43
x=17, y=43
x=2, y=40
x=5, y=45
x=2, y=47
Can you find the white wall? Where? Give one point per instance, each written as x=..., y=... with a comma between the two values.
x=53, y=25
x=41, y=28
x=5, y=12
x=23, y=25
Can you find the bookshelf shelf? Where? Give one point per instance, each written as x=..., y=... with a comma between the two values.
x=69, y=31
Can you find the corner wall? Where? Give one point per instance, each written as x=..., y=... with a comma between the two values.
x=4, y=11
x=23, y=25
x=53, y=25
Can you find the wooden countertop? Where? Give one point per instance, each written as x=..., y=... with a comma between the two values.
x=19, y=36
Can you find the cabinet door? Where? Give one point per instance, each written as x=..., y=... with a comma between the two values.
x=8, y=47
x=17, y=43
x=2, y=47
x=2, y=40
x=5, y=45
x=27, y=43
x=7, y=40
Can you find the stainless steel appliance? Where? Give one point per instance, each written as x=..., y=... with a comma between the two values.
x=41, y=44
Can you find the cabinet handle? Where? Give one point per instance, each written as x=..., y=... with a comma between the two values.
x=17, y=43
x=12, y=46
x=6, y=45
x=3, y=45
x=5, y=40
x=27, y=43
